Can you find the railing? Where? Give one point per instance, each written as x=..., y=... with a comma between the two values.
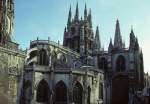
x=54, y=44
x=64, y=48
x=39, y=41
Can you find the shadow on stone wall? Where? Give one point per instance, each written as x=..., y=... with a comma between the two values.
x=3, y=88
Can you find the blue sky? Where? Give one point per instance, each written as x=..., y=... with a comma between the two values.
x=47, y=18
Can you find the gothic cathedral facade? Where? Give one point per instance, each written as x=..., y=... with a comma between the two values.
x=77, y=72
x=80, y=71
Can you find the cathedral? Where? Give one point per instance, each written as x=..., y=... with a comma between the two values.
x=79, y=71
x=68, y=73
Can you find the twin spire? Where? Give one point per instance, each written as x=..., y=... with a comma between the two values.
x=119, y=44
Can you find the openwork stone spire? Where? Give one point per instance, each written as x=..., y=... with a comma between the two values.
x=77, y=13
x=97, y=40
x=118, y=38
x=69, y=18
x=85, y=12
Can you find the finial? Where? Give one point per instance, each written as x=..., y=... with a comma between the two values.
x=97, y=29
x=132, y=29
x=110, y=39
x=117, y=22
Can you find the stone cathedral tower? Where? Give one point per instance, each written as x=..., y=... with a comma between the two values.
x=6, y=20
x=79, y=35
x=11, y=57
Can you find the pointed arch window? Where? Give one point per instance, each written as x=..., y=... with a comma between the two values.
x=120, y=64
x=42, y=92
x=61, y=93
x=77, y=93
x=43, y=60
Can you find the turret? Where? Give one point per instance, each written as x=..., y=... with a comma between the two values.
x=110, y=47
x=97, y=44
x=134, y=45
x=90, y=18
x=85, y=13
x=132, y=40
x=118, y=38
x=6, y=20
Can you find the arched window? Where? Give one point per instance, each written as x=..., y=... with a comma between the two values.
x=89, y=95
x=120, y=64
x=42, y=92
x=61, y=93
x=43, y=57
x=102, y=64
x=77, y=93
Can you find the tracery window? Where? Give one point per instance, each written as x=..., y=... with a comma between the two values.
x=42, y=92
x=61, y=93
x=77, y=93
x=43, y=60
